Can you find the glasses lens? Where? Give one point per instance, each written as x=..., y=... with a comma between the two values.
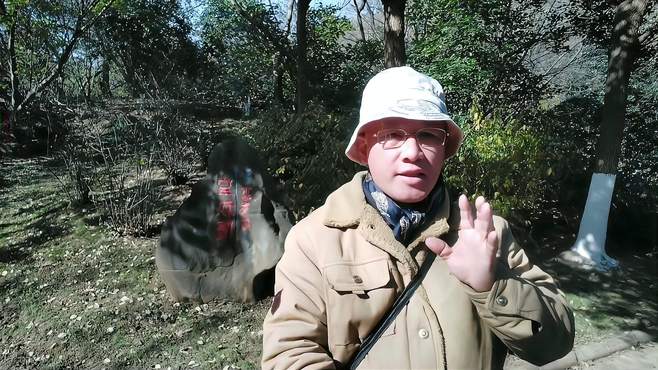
x=391, y=138
x=431, y=137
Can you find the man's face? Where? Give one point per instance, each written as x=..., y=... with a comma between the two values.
x=408, y=173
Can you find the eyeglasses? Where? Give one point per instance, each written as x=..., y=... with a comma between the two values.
x=427, y=138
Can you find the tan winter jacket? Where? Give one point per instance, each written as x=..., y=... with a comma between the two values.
x=342, y=269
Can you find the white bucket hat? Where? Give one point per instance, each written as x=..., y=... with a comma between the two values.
x=402, y=92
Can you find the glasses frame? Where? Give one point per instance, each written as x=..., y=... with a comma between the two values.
x=381, y=139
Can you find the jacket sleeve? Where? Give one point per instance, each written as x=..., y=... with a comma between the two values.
x=295, y=330
x=524, y=308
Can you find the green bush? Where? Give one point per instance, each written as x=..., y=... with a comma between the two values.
x=306, y=152
x=502, y=160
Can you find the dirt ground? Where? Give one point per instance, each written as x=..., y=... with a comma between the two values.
x=73, y=294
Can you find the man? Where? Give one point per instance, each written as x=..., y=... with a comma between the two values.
x=345, y=264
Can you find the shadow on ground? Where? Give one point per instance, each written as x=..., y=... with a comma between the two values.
x=619, y=300
x=24, y=238
x=626, y=298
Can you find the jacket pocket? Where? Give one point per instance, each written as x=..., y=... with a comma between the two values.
x=358, y=295
x=351, y=277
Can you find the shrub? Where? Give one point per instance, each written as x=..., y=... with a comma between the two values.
x=127, y=193
x=501, y=160
x=306, y=152
x=79, y=173
x=176, y=152
x=78, y=157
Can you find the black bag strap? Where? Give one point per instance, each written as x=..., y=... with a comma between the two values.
x=388, y=319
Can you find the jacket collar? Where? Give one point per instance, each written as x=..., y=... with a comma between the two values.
x=347, y=208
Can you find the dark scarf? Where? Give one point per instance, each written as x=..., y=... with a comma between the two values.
x=403, y=221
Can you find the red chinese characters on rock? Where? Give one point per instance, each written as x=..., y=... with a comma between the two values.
x=226, y=220
x=226, y=209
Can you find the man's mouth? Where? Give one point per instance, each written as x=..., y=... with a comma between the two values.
x=411, y=173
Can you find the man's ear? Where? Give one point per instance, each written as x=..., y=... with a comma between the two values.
x=362, y=146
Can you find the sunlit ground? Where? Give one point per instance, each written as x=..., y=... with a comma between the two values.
x=73, y=294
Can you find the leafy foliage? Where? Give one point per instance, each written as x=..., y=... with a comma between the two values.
x=479, y=50
x=240, y=59
x=251, y=55
x=503, y=160
x=150, y=43
x=339, y=70
x=305, y=152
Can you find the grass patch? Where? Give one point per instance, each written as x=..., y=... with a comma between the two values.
x=73, y=294
x=605, y=304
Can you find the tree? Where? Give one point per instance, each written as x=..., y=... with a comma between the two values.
x=625, y=47
x=253, y=53
x=37, y=40
x=394, y=44
x=302, y=44
x=149, y=43
x=247, y=48
x=359, y=19
x=338, y=70
x=483, y=51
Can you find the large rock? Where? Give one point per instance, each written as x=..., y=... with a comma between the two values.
x=226, y=238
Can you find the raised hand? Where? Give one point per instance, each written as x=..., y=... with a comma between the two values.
x=472, y=258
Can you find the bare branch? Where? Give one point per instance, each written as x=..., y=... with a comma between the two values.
x=564, y=67
x=373, y=21
x=359, y=20
x=291, y=7
x=263, y=32
x=13, y=77
x=80, y=29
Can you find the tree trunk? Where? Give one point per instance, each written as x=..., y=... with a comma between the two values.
x=623, y=51
x=80, y=28
x=394, y=49
x=89, y=80
x=15, y=98
x=589, y=248
x=277, y=78
x=358, y=9
x=302, y=42
x=105, y=79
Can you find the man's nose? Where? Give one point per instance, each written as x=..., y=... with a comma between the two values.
x=411, y=150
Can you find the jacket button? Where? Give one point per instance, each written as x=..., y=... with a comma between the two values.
x=423, y=333
x=357, y=279
x=501, y=300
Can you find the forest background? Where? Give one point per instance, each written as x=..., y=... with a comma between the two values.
x=111, y=107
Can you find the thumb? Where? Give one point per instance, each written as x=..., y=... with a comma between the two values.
x=438, y=246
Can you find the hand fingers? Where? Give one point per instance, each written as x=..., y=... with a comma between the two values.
x=484, y=219
x=492, y=242
x=479, y=201
x=438, y=246
x=465, y=214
